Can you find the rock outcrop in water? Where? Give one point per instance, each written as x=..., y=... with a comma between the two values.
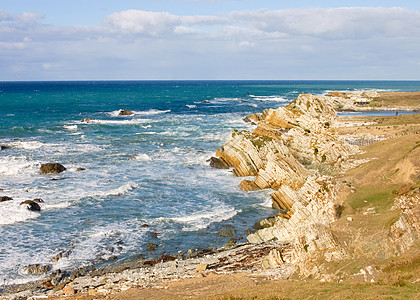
x=5, y=198
x=51, y=168
x=125, y=112
x=33, y=205
x=292, y=151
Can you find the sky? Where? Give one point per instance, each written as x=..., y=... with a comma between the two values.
x=209, y=39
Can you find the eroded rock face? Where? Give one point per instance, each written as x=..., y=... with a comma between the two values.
x=288, y=152
x=51, y=168
x=406, y=230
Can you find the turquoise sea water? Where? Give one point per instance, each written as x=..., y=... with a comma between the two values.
x=148, y=168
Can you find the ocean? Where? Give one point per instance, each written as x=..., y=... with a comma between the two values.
x=146, y=177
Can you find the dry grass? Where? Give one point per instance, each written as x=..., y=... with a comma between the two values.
x=396, y=99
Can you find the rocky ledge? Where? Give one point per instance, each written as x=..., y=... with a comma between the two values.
x=293, y=150
x=298, y=153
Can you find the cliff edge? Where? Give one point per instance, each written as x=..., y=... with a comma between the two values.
x=299, y=152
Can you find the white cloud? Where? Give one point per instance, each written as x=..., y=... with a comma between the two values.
x=326, y=43
x=334, y=22
x=140, y=21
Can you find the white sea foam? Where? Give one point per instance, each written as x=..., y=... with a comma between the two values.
x=118, y=122
x=30, y=145
x=269, y=98
x=146, y=126
x=202, y=219
x=142, y=157
x=149, y=112
x=103, y=242
x=191, y=106
x=70, y=127
x=15, y=165
x=12, y=212
x=122, y=190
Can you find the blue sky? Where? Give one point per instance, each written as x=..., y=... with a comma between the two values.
x=209, y=39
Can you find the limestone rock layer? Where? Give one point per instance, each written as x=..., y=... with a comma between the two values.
x=291, y=151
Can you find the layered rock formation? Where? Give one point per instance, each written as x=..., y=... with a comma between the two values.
x=292, y=151
x=406, y=230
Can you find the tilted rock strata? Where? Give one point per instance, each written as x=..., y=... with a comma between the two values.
x=406, y=230
x=286, y=153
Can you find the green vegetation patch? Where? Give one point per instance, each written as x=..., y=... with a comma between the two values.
x=382, y=198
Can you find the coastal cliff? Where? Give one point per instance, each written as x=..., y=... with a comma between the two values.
x=347, y=193
x=298, y=153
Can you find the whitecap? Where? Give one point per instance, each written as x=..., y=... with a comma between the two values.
x=202, y=219
x=142, y=157
x=151, y=112
x=14, y=166
x=118, y=122
x=70, y=127
x=29, y=145
x=116, y=113
x=122, y=190
x=191, y=106
x=269, y=98
x=146, y=126
x=12, y=212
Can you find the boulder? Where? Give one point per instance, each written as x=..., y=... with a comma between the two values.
x=86, y=120
x=32, y=205
x=217, y=163
x=68, y=290
x=125, y=112
x=4, y=147
x=51, y=168
x=227, y=231
x=5, y=198
x=81, y=169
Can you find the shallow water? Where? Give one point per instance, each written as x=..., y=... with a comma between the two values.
x=147, y=168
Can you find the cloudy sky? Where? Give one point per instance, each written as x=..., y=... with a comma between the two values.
x=209, y=39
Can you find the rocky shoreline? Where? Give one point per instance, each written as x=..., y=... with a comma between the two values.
x=298, y=152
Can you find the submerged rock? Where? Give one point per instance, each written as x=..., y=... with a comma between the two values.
x=151, y=247
x=227, y=231
x=33, y=205
x=80, y=169
x=231, y=243
x=86, y=120
x=51, y=168
x=4, y=147
x=125, y=112
x=5, y=198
